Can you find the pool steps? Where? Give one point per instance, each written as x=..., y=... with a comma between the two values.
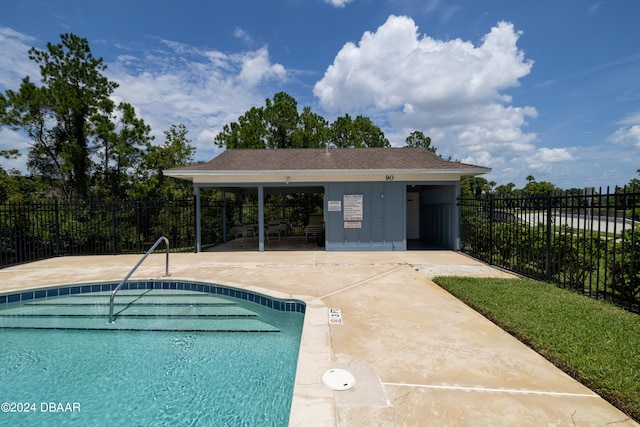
x=136, y=310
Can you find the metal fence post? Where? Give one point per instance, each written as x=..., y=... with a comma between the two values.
x=57, y=225
x=138, y=244
x=548, y=239
x=114, y=227
x=491, y=218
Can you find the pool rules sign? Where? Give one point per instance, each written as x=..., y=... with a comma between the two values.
x=352, y=213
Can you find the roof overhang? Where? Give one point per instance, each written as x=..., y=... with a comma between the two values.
x=279, y=177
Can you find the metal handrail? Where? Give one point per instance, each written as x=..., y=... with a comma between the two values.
x=166, y=273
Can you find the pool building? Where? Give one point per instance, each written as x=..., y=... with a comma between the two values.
x=375, y=199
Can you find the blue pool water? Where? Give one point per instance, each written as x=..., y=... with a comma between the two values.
x=144, y=378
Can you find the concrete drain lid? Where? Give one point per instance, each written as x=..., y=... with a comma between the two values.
x=338, y=379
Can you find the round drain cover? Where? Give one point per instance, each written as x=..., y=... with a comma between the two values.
x=338, y=379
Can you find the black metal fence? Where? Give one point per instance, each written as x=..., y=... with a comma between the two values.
x=586, y=242
x=30, y=232
x=35, y=231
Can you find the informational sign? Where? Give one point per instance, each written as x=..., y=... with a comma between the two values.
x=352, y=224
x=335, y=316
x=334, y=206
x=353, y=207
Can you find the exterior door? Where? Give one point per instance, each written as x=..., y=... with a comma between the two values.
x=413, y=216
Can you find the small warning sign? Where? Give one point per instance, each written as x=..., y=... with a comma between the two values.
x=335, y=316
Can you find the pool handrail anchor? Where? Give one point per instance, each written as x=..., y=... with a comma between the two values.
x=166, y=273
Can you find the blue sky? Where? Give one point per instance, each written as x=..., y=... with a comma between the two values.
x=547, y=88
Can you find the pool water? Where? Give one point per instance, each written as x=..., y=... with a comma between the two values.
x=128, y=378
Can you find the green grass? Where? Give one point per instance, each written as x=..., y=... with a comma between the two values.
x=593, y=341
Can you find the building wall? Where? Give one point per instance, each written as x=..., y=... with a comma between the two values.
x=371, y=217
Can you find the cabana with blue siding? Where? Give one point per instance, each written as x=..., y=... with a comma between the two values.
x=375, y=199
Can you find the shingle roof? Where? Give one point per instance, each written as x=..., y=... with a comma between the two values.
x=306, y=159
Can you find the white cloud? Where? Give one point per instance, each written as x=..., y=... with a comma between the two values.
x=452, y=90
x=203, y=89
x=629, y=133
x=544, y=158
x=14, y=62
x=395, y=65
x=14, y=66
x=631, y=119
x=338, y=3
x=241, y=34
x=626, y=136
x=256, y=67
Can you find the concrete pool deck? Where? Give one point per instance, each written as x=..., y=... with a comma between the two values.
x=420, y=356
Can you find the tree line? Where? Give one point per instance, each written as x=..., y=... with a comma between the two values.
x=478, y=186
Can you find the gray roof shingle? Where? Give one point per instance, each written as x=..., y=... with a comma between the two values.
x=306, y=159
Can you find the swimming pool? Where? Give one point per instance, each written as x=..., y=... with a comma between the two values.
x=84, y=376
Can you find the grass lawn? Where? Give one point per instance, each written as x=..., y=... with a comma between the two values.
x=593, y=341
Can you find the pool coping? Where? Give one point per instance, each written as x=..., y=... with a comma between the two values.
x=261, y=298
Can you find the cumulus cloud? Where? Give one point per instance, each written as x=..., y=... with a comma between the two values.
x=394, y=65
x=256, y=67
x=449, y=88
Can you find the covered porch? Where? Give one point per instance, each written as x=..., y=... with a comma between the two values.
x=263, y=217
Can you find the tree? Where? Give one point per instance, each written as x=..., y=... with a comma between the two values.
x=342, y=132
x=505, y=190
x=539, y=188
x=59, y=115
x=530, y=178
x=477, y=185
x=418, y=139
x=271, y=126
x=176, y=151
x=120, y=151
x=367, y=134
x=312, y=130
x=281, y=120
x=634, y=183
x=359, y=133
x=279, y=125
x=7, y=182
x=248, y=132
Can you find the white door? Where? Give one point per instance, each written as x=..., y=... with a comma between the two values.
x=413, y=216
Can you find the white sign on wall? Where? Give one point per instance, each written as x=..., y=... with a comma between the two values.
x=352, y=224
x=334, y=206
x=353, y=207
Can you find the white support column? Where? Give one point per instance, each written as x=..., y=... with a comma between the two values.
x=196, y=196
x=260, y=218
